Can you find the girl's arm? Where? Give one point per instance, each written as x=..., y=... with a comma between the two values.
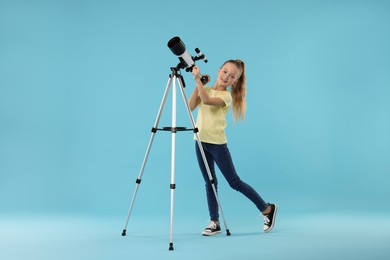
x=194, y=100
x=203, y=95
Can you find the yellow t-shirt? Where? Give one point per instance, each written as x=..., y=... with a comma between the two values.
x=211, y=120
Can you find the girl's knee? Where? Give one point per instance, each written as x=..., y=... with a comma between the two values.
x=236, y=184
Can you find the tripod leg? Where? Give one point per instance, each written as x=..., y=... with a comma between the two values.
x=203, y=155
x=154, y=130
x=173, y=155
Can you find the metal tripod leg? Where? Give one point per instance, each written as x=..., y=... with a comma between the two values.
x=154, y=130
x=203, y=154
x=173, y=154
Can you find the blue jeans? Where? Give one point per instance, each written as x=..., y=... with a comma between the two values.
x=219, y=153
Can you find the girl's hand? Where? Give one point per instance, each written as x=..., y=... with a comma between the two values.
x=196, y=72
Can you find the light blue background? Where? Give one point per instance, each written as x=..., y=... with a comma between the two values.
x=81, y=82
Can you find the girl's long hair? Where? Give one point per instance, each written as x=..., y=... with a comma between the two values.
x=238, y=91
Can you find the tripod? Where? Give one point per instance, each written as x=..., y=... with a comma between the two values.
x=173, y=77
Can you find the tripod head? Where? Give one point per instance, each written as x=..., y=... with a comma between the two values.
x=176, y=71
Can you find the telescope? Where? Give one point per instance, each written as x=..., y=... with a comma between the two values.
x=186, y=60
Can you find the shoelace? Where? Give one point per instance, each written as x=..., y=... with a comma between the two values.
x=266, y=219
x=212, y=225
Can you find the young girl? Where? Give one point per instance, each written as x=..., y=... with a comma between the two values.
x=213, y=104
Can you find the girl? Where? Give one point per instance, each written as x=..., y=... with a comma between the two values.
x=213, y=104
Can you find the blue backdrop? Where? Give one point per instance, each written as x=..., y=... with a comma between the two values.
x=81, y=83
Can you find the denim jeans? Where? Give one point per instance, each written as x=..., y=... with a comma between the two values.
x=219, y=153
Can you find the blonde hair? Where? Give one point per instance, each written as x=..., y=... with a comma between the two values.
x=238, y=91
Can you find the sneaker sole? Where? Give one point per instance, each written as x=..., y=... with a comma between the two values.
x=273, y=220
x=211, y=233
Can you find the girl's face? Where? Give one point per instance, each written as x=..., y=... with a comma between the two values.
x=228, y=75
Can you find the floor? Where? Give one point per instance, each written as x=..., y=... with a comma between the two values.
x=310, y=236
